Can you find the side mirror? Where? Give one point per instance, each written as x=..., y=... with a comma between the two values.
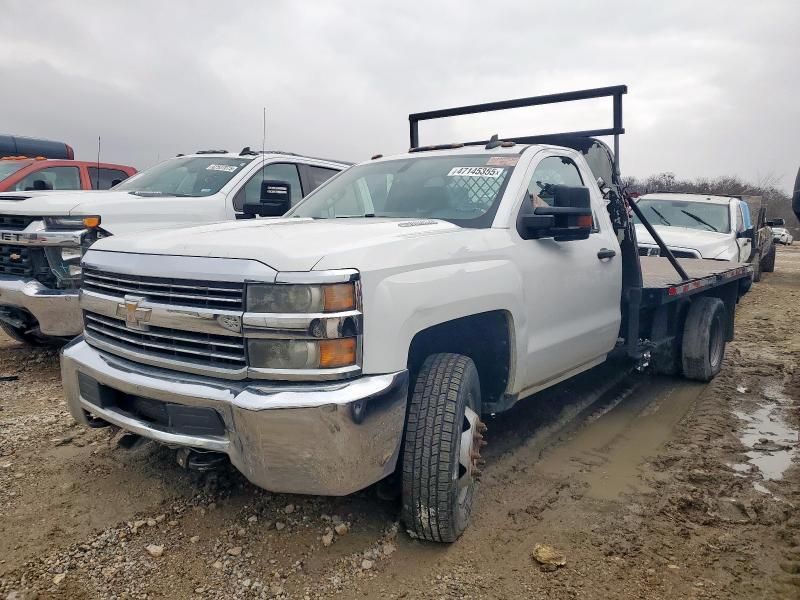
x=276, y=200
x=570, y=217
x=776, y=222
x=746, y=234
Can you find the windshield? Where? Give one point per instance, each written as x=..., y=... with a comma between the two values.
x=691, y=215
x=464, y=190
x=192, y=176
x=8, y=167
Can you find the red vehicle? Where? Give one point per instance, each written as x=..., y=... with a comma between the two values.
x=23, y=174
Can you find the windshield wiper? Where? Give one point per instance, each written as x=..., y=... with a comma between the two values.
x=660, y=216
x=354, y=216
x=699, y=220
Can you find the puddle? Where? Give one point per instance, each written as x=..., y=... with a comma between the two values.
x=772, y=442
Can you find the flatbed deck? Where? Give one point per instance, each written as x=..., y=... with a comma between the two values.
x=662, y=283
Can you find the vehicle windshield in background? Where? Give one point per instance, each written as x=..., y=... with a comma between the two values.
x=192, y=176
x=691, y=215
x=9, y=167
x=464, y=190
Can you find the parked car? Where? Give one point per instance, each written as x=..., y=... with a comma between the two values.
x=368, y=331
x=759, y=229
x=782, y=236
x=706, y=226
x=44, y=234
x=17, y=145
x=23, y=174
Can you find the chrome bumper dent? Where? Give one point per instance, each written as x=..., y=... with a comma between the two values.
x=330, y=438
x=57, y=311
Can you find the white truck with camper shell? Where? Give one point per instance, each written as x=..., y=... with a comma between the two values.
x=44, y=235
x=365, y=334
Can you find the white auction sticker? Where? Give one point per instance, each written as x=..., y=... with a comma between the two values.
x=226, y=168
x=491, y=172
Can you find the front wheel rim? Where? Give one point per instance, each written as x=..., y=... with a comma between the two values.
x=469, y=455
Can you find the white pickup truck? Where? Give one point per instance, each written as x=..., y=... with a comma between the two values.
x=44, y=235
x=710, y=226
x=366, y=332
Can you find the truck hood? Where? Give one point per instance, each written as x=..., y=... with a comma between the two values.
x=708, y=243
x=284, y=244
x=61, y=202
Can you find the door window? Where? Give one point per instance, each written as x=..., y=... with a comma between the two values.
x=251, y=192
x=51, y=178
x=103, y=179
x=553, y=170
x=318, y=176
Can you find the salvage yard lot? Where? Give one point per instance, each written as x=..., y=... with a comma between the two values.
x=651, y=487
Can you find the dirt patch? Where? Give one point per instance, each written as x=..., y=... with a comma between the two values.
x=646, y=487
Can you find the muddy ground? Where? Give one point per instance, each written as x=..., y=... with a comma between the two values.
x=650, y=487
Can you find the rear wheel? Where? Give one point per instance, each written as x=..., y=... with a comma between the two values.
x=769, y=261
x=704, y=339
x=442, y=448
x=757, y=267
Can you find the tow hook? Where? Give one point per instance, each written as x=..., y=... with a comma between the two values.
x=197, y=460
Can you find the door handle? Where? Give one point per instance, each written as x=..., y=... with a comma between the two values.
x=604, y=253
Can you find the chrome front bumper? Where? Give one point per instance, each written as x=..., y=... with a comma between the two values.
x=57, y=311
x=330, y=438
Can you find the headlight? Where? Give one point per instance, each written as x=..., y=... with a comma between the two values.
x=303, y=299
x=301, y=354
x=77, y=222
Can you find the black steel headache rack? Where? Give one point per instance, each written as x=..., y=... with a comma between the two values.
x=615, y=91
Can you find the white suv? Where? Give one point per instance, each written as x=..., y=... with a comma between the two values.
x=43, y=236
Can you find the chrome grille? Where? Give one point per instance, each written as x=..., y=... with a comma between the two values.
x=220, y=351
x=648, y=251
x=220, y=295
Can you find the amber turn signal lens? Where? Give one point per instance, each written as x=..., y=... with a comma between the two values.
x=91, y=222
x=337, y=353
x=339, y=297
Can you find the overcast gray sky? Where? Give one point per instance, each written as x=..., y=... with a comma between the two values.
x=714, y=87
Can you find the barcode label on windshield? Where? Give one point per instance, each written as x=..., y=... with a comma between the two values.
x=226, y=168
x=490, y=172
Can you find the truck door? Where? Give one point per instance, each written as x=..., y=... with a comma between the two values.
x=742, y=223
x=571, y=289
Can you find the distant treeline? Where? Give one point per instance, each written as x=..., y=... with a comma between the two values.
x=779, y=204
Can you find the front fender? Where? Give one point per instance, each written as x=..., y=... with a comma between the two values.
x=400, y=305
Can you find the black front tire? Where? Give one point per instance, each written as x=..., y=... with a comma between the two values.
x=439, y=470
x=704, y=339
x=23, y=336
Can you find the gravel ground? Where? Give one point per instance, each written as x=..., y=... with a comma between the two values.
x=648, y=488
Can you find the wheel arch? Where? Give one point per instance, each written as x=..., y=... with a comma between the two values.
x=487, y=338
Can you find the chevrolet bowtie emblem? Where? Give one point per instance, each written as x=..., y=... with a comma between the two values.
x=14, y=256
x=133, y=314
